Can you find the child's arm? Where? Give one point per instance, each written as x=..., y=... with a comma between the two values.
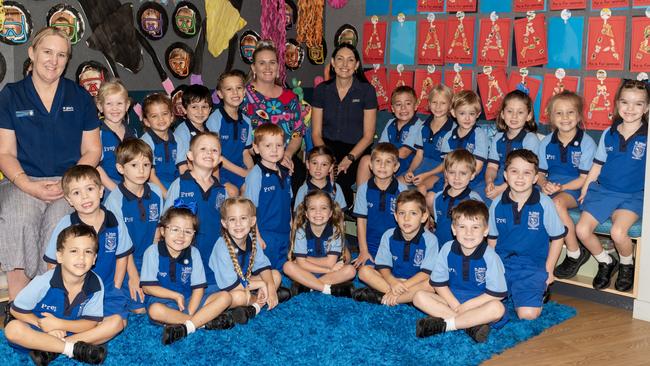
x=317, y=265
x=106, y=180
x=416, y=279
x=490, y=175
x=28, y=318
x=417, y=159
x=234, y=168
x=195, y=300
x=120, y=270
x=593, y=174
x=153, y=178
x=397, y=287
x=404, y=152
x=163, y=293
x=448, y=296
x=272, y=295
x=575, y=184
x=421, y=177
x=364, y=254
x=134, y=280
x=553, y=255
x=475, y=302
x=248, y=159
x=50, y=322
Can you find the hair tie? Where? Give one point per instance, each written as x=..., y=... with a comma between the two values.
x=190, y=205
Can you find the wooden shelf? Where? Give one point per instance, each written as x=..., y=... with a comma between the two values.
x=586, y=282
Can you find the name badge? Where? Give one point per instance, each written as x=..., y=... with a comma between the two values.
x=68, y=109
x=356, y=100
x=26, y=113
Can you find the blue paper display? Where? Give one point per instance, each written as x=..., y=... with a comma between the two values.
x=402, y=43
x=408, y=7
x=377, y=7
x=565, y=42
x=500, y=6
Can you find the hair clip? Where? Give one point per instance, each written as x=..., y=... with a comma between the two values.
x=190, y=205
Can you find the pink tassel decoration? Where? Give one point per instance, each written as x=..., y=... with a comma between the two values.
x=273, y=28
x=337, y=4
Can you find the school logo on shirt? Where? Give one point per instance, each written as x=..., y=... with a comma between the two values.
x=419, y=256
x=186, y=272
x=219, y=201
x=550, y=157
x=575, y=158
x=243, y=135
x=638, y=150
x=162, y=274
x=187, y=194
x=470, y=147
x=49, y=308
x=153, y=212
x=173, y=155
x=128, y=219
x=81, y=308
x=479, y=275
x=501, y=220
x=393, y=202
x=25, y=113
x=110, y=242
x=439, y=144
x=533, y=220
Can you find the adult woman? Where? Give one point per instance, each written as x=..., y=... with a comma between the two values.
x=47, y=124
x=344, y=113
x=268, y=102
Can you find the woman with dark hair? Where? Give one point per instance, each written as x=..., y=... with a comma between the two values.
x=344, y=113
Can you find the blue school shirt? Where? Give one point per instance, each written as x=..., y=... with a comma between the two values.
x=183, y=134
x=270, y=192
x=443, y=203
x=405, y=258
x=181, y=274
x=333, y=189
x=307, y=244
x=110, y=141
x=475, y=141
x=208, y=211
x=525, y=234
x=423, y=138
x=224, y=269
x=623, y=161
x=378, y=207
x=114, y=243
x=399, y=138
x=501, y=146
x=562, y=164
x=469, y=276
x=164, y=156
x=46, y=293
x=140, y=215
x=236, y=136
x=47, y=143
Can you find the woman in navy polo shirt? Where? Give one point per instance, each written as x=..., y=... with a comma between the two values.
x=344, y=113
x=47, y=124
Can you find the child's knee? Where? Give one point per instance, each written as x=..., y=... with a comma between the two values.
x=420, y=298
x=14, y=330
x=583, y=230
x=560, y=206
x=277, y=277
x=618, y=233
x=289, y=267
x=528, y=313
x=348, y=271
x=156, y=311
x=364, y=272
x=115, y=323
x=496, y=308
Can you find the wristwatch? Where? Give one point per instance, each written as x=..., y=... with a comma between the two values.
x=351, y=157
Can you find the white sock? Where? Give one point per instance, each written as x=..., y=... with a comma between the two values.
x=327, y=289
x=626, y=259
x=257, y=308
x=191, y=328
x=573, y=254
x=451, y=324
x=603, y=257
x=68, y=347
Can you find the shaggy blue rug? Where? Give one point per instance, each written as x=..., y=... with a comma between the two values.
x=317, y=330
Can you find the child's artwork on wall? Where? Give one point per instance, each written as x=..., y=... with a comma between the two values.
x=554, y=84
x=640, y=48
x=430, y=6
x=567, y=4
x=399, y=77
x=425, y=80
x=431, y=41
x=460, y=39
x=492, y=85
x=639, y=3
x=500, y=6
x=377, y=78
x=494, y=41
x=374, y=41
x=520, y=80
x=601, y=4
x=527, y=5
x=461, y=5
x=377, y=7
x=407, y=7
x=402, y=42
x=530, y=40
x=566, y=49
x=459, y=79
x=598, y=95
x=606, y=42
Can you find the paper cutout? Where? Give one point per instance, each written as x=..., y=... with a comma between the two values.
x=408, y=7
x=457, y=81
x=606, y=43
x=636, y=3
x=599, y=102
x=424, y=82
x=374, y=42
x=431, y=42
x=396, y=78
x=566, y=49
x=567, y=4
x=530, y=41
x=460, y=40
x=553, y=86
x=461, y=5
x=600, y=4
x=526, y=84
x=494, y=39
x=640, y=48
x=377, y=78
x=430, y=6
x=377, y=7
x=527, y=5
x=402, y=43
x=492, y=88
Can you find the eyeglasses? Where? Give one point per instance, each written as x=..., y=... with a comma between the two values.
x=178, y=230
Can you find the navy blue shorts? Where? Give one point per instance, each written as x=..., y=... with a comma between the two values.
x=601, y=202
x=277, y=248
x=115, y=303
x=132, y=305
x=526, y=283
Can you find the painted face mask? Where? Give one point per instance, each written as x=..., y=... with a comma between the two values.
x=186, y=18
x=179, y=59
x=247, y=43
x=290, y=12
x=316, y=54
x=17, y=26
x=91, y=75
x=152, y=20
x=177, y=100
x=346, y=34
x=68, y=19
x=294, y=54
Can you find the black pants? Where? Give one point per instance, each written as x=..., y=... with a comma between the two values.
x=346, y=180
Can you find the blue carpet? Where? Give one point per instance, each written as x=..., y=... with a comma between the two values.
x=317, y=330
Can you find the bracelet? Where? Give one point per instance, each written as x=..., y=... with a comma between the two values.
x=13, y=180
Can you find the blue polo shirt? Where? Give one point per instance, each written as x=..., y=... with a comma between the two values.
x=236, y=136
x=333, y=189
x=562, y=164
x=400, y=138
x=443, y=203
x=183, y=134
x=476, y=142
x=47, y=143
x=308, y=244
x=110, y=141
x=114, y=243
x=270, y=191
x=46, y=293
x=469, y=276
x=164, y=156
x=378, y=207
x=343, y=118
x=140, y=215
x=181, y=274
x=501, y=146
x=406, y=258
x=525, y=234
x=423, y=138
x=221, y=263
x=208, y=211
x=623, y=161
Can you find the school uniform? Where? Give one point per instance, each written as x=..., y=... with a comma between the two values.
x=334, y=190
x=182, y=274
x=110, y=141
x=621, y=181
x=270, y=191
x=502, y=146
x=423, y=138
x=523, y=238
x=236, y=136
x=476, y=142
x=164, y=156
x=308, y=244
x=224, y=269
x=400, y=137
x=114, y=243
x=378, y=207
x=443, y=203
x=183, y=134
x=208, y=211
x=405, y=258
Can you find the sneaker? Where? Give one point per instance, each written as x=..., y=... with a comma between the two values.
x=173, y=333
x=426, y=327
x=42, y=358
x=284, y=294
x=366, y=294
x=241, y=315
x=89, y=353
x=7, y=314
x=625, y=278
x=222, y=321
x=570, y=266
x=344, y=289
x=297, y=289
x=604, y=274
x=479, y=333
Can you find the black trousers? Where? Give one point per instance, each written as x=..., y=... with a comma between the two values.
x=346, y=180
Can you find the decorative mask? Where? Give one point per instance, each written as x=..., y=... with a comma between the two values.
x=294, y=54
x=290, y=14
x=179, y=58
x=152, y=20
x=17, y=26
x=247, y=43
x=68, y=19
x=177, y=100
x=91, y=75
x=316, y=54
x=186, y=19
x=346, y=34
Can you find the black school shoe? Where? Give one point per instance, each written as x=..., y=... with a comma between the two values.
x=42, y=358
x=344, y=289
x=479, y=333
x=605, y=273
x=284, y=294
x=89, y=353
x=222, y=321
x=242, y=314
x=366, y=294
x=7, y=314
x=625, y=278
x=173, y=333
x=570, y=266
x=297, y=289
x=426, y=327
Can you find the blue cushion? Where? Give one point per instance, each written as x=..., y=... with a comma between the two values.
x=605, y=227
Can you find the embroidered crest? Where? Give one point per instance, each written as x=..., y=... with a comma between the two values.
x=153, y=212
x=244, y=135
x=479, y=275
x=186, y=272
x=393, y=202
x=110, y=242
x=219, y=201
x=533, y=220
x=470, y=147
x=638, y=150
x=575, y=158
x=418, y=257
